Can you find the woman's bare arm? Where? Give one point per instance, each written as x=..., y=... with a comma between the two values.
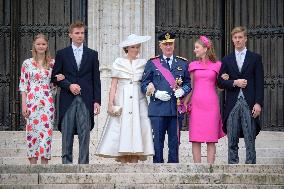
x=112, y=93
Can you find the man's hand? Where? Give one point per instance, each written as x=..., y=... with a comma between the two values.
x=162, y=95
x=150, y=89
x=256, y=110
x=75, y=89
x=96, y=108
x=179, y=93
x=242, y=83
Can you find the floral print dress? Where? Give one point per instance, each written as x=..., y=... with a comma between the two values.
x=35, y=82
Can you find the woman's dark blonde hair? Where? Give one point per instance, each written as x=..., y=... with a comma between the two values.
x=210, y=53
x=125, y=50
x=47, y=58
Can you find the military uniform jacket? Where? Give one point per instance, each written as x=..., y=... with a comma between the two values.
x=179, y=69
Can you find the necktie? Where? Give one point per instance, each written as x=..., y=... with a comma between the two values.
x=239, y=61
x=168, y=62
x=78, y=57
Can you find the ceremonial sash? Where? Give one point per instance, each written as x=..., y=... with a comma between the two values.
x=170, y=79
x=165, y=72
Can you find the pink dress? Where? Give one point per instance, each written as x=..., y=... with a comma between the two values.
x=205, y=124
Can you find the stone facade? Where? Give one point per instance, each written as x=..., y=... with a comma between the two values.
x=109, y=22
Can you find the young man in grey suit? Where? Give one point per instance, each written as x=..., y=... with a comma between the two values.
x=80, y=94
x=244, y=92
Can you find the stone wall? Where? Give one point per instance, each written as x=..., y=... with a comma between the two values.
x=109, y=22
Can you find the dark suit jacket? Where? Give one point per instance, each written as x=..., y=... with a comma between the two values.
x=88, y=77
x=178, y=69
x=252, y=71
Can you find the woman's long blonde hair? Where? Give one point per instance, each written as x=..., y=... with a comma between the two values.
x=47, y=58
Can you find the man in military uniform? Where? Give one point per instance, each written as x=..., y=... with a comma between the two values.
x=167, y=79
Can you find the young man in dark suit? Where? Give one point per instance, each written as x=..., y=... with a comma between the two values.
x=80, y=94
x=244, y=92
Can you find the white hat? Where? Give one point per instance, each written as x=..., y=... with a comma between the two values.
x=133, y=39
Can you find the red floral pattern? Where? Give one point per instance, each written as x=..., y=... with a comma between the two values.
x=36, y=83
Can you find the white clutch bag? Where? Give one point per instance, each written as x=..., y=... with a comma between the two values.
x=116, y=110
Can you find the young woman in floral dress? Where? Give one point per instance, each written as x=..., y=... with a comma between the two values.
x=37, y=100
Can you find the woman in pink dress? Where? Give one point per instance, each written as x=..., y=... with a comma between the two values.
x=205, y=124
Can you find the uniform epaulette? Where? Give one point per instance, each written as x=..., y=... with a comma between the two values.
x=154, y=57
x=182, y=58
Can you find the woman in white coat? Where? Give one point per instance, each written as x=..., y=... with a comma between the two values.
x=127, y=134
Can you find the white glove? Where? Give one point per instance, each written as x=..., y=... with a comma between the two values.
x=179, y=93
x=162, y=95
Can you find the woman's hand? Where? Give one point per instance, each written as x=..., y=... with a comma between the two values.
x=186, y=101
x=110, y=109
x=225, y=76
x=60, y=77
x=150, y=89
x=25, y=111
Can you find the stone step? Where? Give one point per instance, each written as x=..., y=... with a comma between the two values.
x=269, y=148
x=264, y=135
x=185, y=145
x=17, y=143
x=143, y=168
x=57, y=160
x=260, y=152
x=260, y=143
x=140, y=176
x=22, y=135
x=144, y=178
x=141, y=186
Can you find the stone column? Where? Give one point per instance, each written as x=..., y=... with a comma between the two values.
x=110, y=22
